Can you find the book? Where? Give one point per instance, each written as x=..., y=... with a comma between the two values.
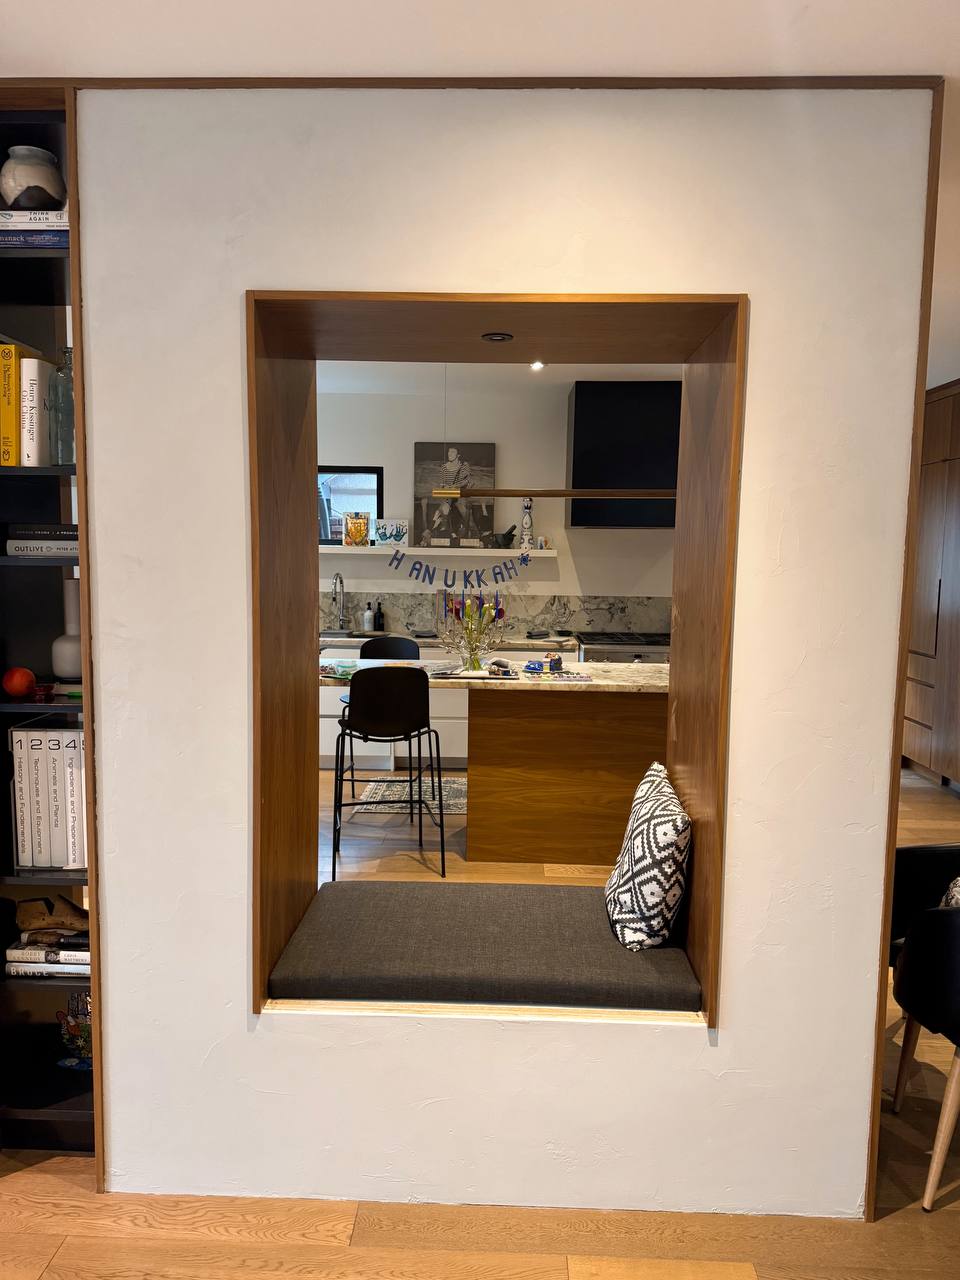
x=16, y=970
x=21, y=799
x=73, y=940
x=37, y=792
x=42, y=540
x=40, y=531
x=35, y=410
x=47, y=955
x=11, y=353
x=56, y=809
x=38, y=219
x=42, y=547
x=34, y=238
x=73, y=798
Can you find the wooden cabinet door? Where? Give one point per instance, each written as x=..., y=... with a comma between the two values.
x=945, y=754
x=938, y=430
x=926, y=588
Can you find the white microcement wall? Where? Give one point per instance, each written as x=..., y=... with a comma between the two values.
x=810, y=202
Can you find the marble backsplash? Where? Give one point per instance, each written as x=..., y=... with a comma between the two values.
x=405, y=611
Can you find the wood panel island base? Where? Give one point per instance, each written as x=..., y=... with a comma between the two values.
x=551, y=772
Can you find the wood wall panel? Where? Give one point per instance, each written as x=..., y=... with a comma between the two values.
x=920, y=703
x=704, y=559
x=579, y=329
x=926, y=585
x=551, y=773
x=286, y=618
x=945, y=754
x=917, y=742
x=937, y=431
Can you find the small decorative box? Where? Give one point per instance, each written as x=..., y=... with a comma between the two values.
x=555, y=660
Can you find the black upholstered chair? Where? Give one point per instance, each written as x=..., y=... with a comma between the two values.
x=385, y=648
x=389, y=705
x=925, y=951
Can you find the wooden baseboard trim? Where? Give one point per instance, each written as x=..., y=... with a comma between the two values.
x=496, y=1012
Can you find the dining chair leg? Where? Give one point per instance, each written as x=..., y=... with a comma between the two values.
x=433, y=780
x=337, y=797
x=353, y=773
x=945, y=1129
x=443, y=846
x=911, y=1033
x=420, y=785
x=410, y=775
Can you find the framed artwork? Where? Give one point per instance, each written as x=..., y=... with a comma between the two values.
x=394, y=532
x=442, y=522
x=346, y=489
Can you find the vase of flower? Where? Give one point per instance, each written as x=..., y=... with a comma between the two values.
x=471, y=626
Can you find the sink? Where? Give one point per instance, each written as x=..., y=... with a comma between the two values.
x=335, y=635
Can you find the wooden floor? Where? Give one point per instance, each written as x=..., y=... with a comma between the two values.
x=384, y=846
x=52, y=1224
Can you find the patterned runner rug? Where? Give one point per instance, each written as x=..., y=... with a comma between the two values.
x=454, y=795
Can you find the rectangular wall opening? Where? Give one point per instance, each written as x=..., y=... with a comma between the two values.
x=513, y=744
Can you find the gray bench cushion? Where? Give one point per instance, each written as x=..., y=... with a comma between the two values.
x=487, y=944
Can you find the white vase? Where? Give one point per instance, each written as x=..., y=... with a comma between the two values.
x=65, y=654
x=30, y=179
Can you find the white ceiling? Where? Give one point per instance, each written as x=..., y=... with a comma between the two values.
x=522, y=38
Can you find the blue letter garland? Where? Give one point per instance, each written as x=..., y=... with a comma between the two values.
x=469, y=579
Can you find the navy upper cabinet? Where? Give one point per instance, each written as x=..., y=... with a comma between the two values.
x=623, y=435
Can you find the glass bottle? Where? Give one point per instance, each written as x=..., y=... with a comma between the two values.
x=63, y=448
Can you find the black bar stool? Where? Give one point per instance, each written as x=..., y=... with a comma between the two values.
x=390, y=705
x=386, y=647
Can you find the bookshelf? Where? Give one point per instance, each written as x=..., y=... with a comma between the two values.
x=43, y=1103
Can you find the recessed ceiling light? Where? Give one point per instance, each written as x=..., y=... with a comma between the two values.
x=497, y=335
x=537, y=365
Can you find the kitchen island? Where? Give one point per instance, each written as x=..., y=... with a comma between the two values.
x=550, y=776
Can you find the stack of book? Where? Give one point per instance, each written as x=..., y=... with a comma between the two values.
x=34, y=229
x=42, y=540
x=48, y=798
x=26, y=405
x=45, y=953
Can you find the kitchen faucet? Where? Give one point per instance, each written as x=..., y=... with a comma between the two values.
x=338, y=600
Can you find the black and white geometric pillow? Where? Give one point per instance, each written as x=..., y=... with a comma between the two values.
x=645, y=887
x=952, y=897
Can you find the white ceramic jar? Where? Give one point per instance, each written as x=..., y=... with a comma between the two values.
x=31, y=179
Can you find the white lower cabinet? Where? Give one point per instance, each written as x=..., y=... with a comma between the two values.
x=448, y=715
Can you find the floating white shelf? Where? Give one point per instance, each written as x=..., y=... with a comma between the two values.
x=436, y=553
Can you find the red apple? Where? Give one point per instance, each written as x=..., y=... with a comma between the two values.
x=19, y=682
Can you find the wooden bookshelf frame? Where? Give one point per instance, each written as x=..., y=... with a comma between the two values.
x=61, y=98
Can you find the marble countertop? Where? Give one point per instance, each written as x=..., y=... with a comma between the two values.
x=600, y=677
x=510, y=644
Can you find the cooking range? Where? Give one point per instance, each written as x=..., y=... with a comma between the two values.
x=623, y=646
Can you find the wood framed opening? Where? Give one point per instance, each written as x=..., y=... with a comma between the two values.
x=287, y=332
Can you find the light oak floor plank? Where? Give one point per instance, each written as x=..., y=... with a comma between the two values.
x=36, y=1204
x=24, y=1257
x=86, y=1259
x=928, y=813
x=896, y=1269
x=657, y=1269
x=691, y=1236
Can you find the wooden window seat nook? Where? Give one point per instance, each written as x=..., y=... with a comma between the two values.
x=541, y=945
